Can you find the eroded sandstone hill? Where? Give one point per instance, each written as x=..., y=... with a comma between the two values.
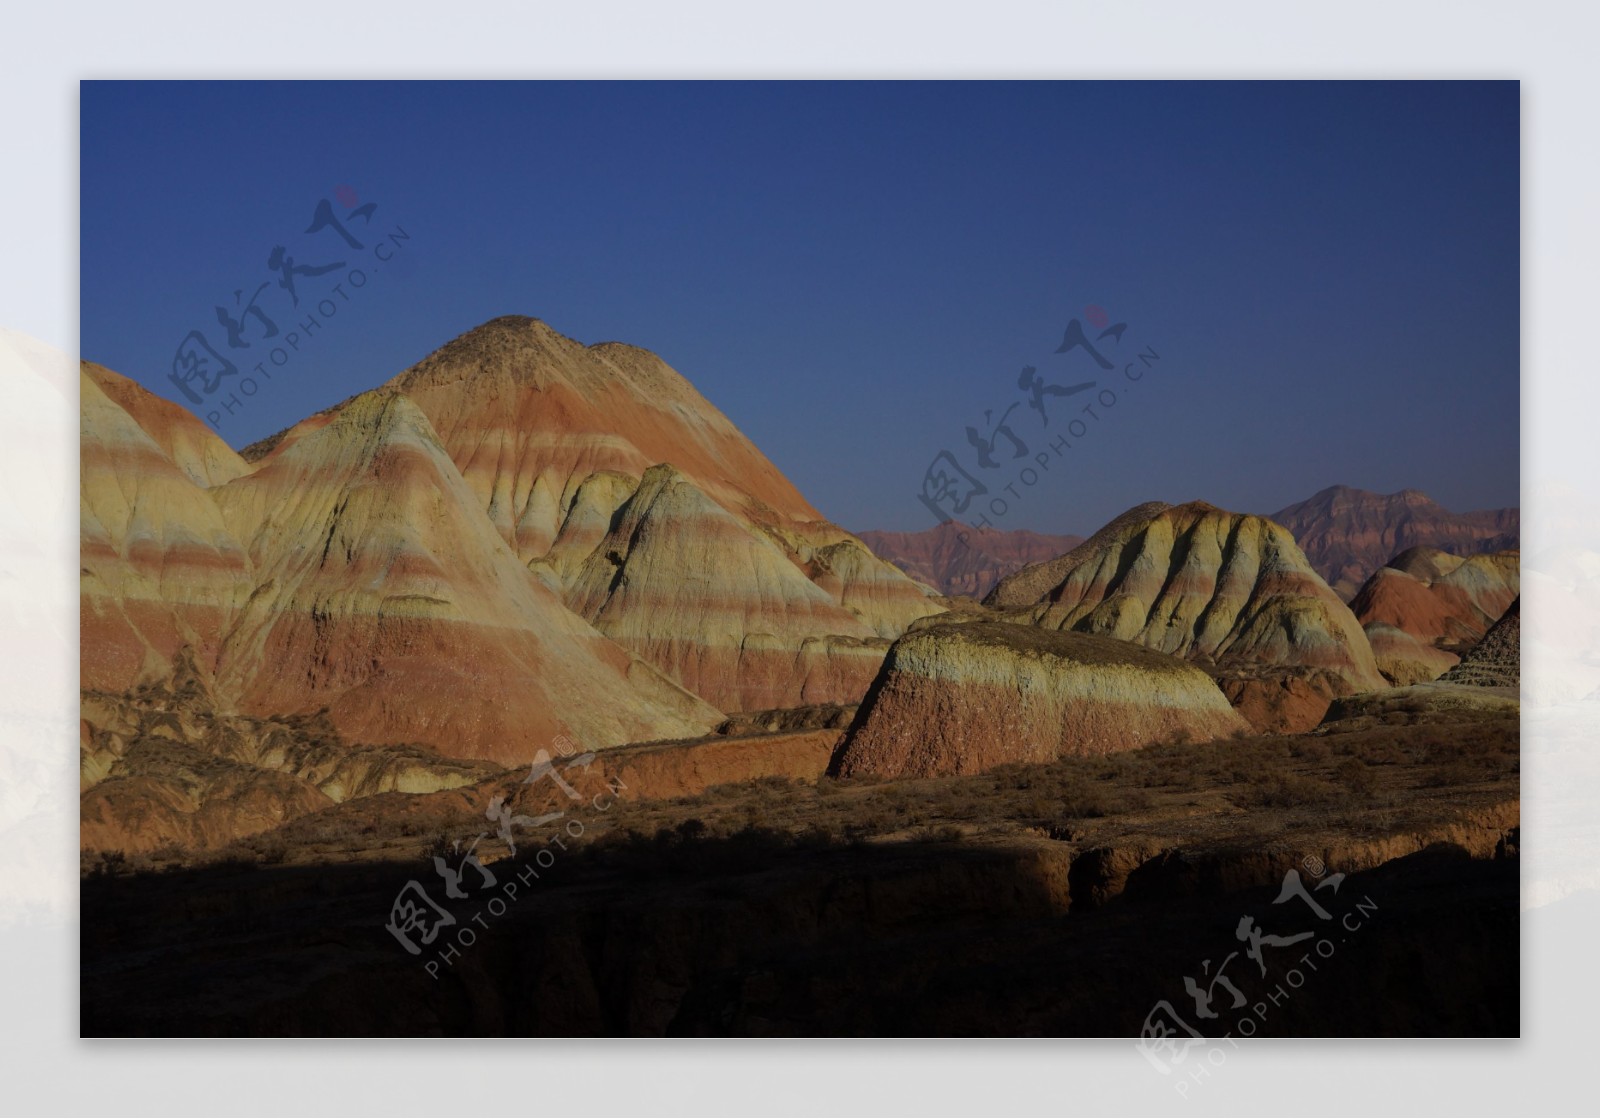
x=957, y=559
x=726, y=579
x=384, y=594
x=1230, y=591
x=960, y=698
x=1348, y=534
x=519, y=537
x=1425, y=607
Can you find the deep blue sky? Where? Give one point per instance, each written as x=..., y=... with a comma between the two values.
x=855, y=272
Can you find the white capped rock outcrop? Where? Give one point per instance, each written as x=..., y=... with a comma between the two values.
x=959, y=698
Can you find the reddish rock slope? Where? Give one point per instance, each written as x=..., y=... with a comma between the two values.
x=159, y=567
x=1425, y=607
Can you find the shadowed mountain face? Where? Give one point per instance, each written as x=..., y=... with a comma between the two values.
x=956, y=559
x=1348, y=534
x=1424, y=608
x=1228, y=590
x=518, y=538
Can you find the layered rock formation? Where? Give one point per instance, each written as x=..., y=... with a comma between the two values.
x=384, y=594
x=691, y=588
x=521, y=537
x=160, y=567
x=1348, y=534
x=961, y=698
x=633, y=498
x=1496, y=661
x=1425, y=607
x=1228, y=590
x=956, y=559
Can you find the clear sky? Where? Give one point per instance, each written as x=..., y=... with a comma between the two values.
x=855, y=273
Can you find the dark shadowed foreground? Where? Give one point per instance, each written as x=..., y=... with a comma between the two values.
x=1068, y=898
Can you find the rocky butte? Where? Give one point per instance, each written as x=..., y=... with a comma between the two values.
x=960, y=698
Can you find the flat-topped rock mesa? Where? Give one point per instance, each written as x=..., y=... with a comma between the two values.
x=561, y=443
x=956, y=559
x=1426, y=607
x=1496, y=661
x=1348, y=533
x=1229, y=591
x=962, y=698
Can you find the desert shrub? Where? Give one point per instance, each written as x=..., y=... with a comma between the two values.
x=817, y=836
x=270, y=850
x=106, y=863
x=439, y=846
x=236, y=859
x=1277, y=788
x=1357, y=776
x=1135, y=800
x=1088, y=805
x=1458, y=771
x=1313, y=749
